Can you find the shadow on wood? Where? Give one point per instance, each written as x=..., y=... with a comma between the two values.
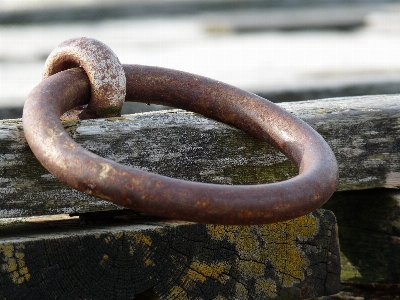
x=369, y=234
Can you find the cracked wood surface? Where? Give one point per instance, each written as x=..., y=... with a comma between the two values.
x=145, y=258
x=362, y=131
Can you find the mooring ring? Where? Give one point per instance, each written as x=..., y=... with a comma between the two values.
x=174, y=198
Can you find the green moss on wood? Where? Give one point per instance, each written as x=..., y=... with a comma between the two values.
x=369, y=234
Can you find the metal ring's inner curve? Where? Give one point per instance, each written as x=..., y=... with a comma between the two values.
x=174, y=198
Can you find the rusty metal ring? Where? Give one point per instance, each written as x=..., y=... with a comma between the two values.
x=174, y=198
x=105, y=72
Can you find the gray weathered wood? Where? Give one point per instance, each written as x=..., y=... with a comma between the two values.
x=284, y=18
x=150, y=259
x=362, y=131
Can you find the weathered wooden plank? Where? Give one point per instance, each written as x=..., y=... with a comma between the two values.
x=149, y=259
x=362, y=131
x=369, y=233
x=334, y=16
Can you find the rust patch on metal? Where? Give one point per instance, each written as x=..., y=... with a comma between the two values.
x=105, y=72
x=173, y=198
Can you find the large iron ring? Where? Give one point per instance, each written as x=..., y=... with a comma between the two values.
x=174, y=198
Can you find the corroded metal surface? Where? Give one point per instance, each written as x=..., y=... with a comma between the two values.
x=105, y=72
x=169, y=197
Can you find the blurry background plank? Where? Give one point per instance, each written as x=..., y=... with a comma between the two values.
x=45, y=11
x=250, y=46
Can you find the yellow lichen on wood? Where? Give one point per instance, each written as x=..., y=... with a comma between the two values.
x=105, y=261
x=274, y=243
x=267, y=287
x=201, y=271
x=146, y=241
x=135, y=240
x=149, y=262
x=140, y=240
x=289, y=261
x=241, y=291
x=143, y=239
x=108, y=239
x=14, y=263
x=178, y=293
x=118, y=235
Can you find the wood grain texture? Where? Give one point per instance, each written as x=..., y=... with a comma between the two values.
x=150, y=259
x=362, y=131
x=369, y=233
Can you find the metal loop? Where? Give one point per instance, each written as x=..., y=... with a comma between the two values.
x=105, y=72
x=174, y=198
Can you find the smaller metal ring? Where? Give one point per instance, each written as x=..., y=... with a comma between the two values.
x=105, y=72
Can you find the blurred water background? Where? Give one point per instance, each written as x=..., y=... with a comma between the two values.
x=283, y=50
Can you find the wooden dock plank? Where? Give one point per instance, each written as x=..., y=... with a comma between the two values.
x=154, y=259
x=362, y=131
